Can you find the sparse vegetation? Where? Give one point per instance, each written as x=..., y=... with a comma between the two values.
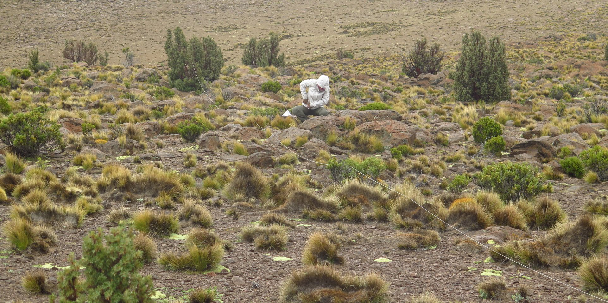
x=423, y=59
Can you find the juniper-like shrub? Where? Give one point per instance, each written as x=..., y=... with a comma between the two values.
x=486, y=128
x=495, y=145
x=28, y=133
x=34, y=63
x=192, y=62
x=111, y=267
x=77, y=51
x=423, y=59
x=573, y=166
x=596, y=160
x=271, y=86
x=191, y=129
x=511, y=181
x=481, y=72
x=263, y=52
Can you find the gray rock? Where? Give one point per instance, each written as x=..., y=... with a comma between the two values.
x=291, y=133
x=539, y=150
x=144, y=74
x=261, y=160
x=370, y=115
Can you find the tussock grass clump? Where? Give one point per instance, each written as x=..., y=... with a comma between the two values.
x=597, y=207
x=196, y=259
x=418, y=239
x=115, y=176
x=424, y=298
x=249, y=182
x=9, y=181
x=147, y=246
x=490, y=201
x=87, y=161
x=157, y=225
x=274, y=218
x=153, y=181
x=510, y=216
x=566, y=246
x=204, y=296
x=3, y=197
x=351, y=214
x=12, y=164
x=406, y=212
x=543, y=213
x=366, y=143
x=594, y=274
x=469, y=215
x=196, y=214
x=322, y=249
x=306, y=201
x=287, y=184
x=492, y=290
x=119, y=214
x=282, y=122
x=326, y=284
x=202, y=238
x=354, y=193
x=272, y=237
x=23, y=235
x=35, y=282
x=319, y=215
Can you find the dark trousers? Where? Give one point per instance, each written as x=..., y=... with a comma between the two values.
x=303, y=112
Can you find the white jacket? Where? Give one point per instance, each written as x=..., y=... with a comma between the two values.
x=310, y=91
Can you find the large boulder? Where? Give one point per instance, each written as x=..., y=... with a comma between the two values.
x=571, y=140
x=291, y=133
x=539, y=150
x=211, y=141
x=144, y=74
x=395, y=133
x=588, y=129
x=370, y=115
x=261, y=160
x=321, y=126
x=236, y=131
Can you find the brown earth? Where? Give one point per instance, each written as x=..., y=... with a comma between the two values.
x=310, y=29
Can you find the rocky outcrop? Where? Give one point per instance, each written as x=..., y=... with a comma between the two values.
x=291, y=133
x=144, y=74
x=395, y=133
x=370, y=115
x=539, y=150
x=236, y=131
x=320, y=127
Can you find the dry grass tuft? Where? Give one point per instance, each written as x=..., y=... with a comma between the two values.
x=469, y=215
x=204, y=296
x=510, y=216
x=9, y=181
x=325, y=284
x=12, y=164
x=492, y=290
x=153, y=181
x=23, y=235
x=196, y=214
x=115, y=176
x=274, y=218
x=157, y=225
x=490, y=201
x=322, y=249
x=424, y=298
x=594, y=274
x=303, y=200
x=147, y=246
x=272, y=237
x=543, y=213
x=418, y=239
x=357, y=194
x=202, y=238
x=35, y=282
x=196, y=259
x=249, y=182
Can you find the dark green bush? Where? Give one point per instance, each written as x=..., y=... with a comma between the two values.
x=511, y=181
x=4, y=82
x=34, y=63
x=28, y=133
x=596, y=160
x=111, y=267
x=401, y=151
x=481, y=72
x=422, y=60
x=271, y=86
x=191, y=129
x=192, y=62
x=374, y=106
x=606, y=52
x=21, y=73
x=572, y=89
x=573, y=166
x=349, y=168
x=495, y=145
x=263, y=52
x=557, y=92
x=163, y=93
x=486, y=128
x=77, y=51
x=459, y=183
x=5, y=108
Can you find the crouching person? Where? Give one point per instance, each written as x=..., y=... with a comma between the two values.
x=315, y=95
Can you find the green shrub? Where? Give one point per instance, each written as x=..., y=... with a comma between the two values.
x=209, y=295
x=422, y=60
x=557, y=92
x=374, y=106
x=403, y=150
x=573, y=166
x=111, y=267
x=486, y=128
x=349, y=168
x=78, y=51
x=34, y=63
x=596, y=160
x=21, y=73
x=191, y=129
x=459, y=183
x=511, y=180
x=193, y=61
x=163, y=93
x=481, y=72
x=606, y=52
x=495, y=145
x=271, y=86
x=28, y=133
x=263, y=52
x=5, y=108
x=4, y=82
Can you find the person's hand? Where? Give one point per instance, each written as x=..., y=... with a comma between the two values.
x=305, y=102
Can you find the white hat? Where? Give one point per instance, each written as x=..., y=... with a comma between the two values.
x=323, y=81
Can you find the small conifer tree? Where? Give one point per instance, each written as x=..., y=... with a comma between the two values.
x=111, y=271
x=192, y=62
x=264, y=52
x=423, y=59
x=481, y=72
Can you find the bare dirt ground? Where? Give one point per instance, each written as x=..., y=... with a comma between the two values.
x=309, y=29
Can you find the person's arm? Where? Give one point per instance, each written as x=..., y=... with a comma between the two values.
x=304, y=85
x=321, y=102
